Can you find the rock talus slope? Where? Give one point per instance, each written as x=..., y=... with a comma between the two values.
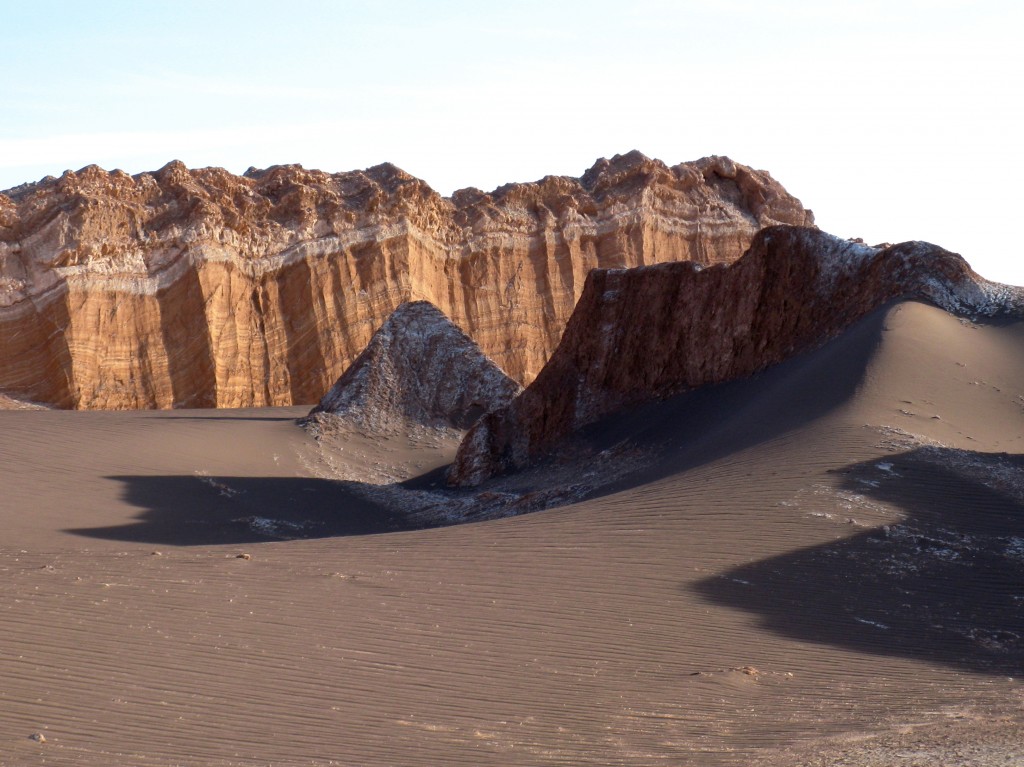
x=201, y=288
x=418, y=368
x=645, y=333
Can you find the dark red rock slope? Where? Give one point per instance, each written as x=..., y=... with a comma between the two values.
x=645, y=333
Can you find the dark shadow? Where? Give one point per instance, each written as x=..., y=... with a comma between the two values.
x=435, y=479
x=199, y=511
x=945, y=585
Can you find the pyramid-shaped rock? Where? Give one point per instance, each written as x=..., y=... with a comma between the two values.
x=419, y=368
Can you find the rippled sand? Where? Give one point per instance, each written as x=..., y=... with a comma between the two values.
x=820, y=565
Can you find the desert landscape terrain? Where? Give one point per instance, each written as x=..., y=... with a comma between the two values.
x=786, y=531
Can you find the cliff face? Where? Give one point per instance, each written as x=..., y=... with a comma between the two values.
x=200, y=288
x=646, y=333
x=420, y=369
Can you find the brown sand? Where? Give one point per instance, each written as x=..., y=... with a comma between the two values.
x=737, y=602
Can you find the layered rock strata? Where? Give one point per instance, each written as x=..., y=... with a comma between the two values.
x=200, y=288
x=645, y=333
x=418, y=369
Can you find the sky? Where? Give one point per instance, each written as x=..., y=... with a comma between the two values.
x=893, y=120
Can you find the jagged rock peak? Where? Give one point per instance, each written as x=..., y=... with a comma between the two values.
x=627, y=175
x=671, y=327
x=419, y=368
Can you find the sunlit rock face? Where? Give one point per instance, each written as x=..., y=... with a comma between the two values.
x=645, y=333
x=199, y=288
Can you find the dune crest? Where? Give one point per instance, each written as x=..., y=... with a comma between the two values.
x=649, y=332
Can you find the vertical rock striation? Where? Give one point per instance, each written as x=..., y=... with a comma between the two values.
x=200, y=288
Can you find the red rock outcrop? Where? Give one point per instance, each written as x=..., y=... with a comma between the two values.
x=646, y=333
x=418, y=369
x=200, y=288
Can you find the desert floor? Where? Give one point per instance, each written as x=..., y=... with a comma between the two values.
x=821, y=565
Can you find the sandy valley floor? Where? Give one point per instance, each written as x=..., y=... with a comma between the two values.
x=823, y=565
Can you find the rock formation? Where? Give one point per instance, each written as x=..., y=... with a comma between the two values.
x=419, y=369
x=645, y=333
x=200, y=288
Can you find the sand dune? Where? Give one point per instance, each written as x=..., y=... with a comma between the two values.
x=823, y=564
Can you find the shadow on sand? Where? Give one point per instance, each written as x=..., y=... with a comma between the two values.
x=945, y=585
x=200, y=510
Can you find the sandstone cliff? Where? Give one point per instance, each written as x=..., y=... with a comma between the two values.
x=200, y=288
x=645, y=333
x=419, y=369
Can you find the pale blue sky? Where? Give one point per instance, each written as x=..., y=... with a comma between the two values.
x=892, y=120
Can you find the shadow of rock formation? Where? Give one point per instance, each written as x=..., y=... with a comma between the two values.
x=196, y=510
x=944, y=585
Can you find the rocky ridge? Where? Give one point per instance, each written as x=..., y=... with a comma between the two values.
x=645, y=333
x=200, y=288
x=418, y=369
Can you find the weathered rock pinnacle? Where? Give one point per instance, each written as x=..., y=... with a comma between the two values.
x=419, y=369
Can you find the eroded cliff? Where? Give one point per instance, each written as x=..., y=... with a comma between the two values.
x=200, y=288
x=645, y=333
